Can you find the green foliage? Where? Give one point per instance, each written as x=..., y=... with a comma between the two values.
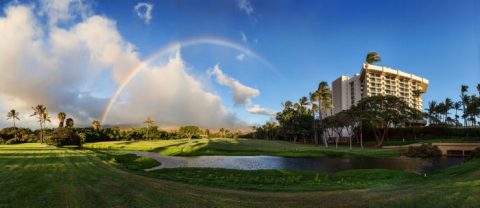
x=423, y=151
x=129, y=161
x=475, y=153
x=64, y=136
x=283, y=180
x=189, y=131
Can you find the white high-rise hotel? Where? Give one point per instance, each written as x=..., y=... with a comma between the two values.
x=377, y=80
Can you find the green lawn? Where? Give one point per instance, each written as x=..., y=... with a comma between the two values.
x=227, y=146
x=33, y=175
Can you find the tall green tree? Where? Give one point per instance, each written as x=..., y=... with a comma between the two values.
x=324, y=95
x=448, y=104
x=464, y=98
x=372, y=57
x=13, y=114
x=457, y=106
x=384, y=112
x=61, y=119
x=314, y=109
x=96, y=125
x=149, y=122
x=39, y=111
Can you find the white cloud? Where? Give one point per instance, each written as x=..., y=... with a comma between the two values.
x=240, y=57
x=242, y=94
x=244, y=37
x=144, y=11
x=256, y=109
x=245, y=6
x=68, y=68
x=64, y=10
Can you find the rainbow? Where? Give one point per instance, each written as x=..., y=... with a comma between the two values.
x=169, y=49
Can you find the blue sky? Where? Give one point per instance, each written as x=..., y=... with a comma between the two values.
x=310, y=41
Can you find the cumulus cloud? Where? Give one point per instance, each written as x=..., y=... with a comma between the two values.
x=256, y=109
x=242, y=94
x=240, y=57
x=144, y=11
x=76, y=67
x=60, y=11
x=245, y=6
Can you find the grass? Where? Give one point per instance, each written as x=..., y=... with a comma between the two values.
x=128, y=161
x=242, y=147
x=284, y=180
x=32, y=175
x=394, y=142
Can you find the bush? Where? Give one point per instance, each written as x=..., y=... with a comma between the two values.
x=13, y=141
x=423, y=151
x=63, y=136
x=475, y=153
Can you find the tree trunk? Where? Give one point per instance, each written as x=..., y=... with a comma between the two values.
x=336, y=142
x=350, y=137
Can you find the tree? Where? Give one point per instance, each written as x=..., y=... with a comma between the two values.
x=287, y=104
x=61, y=118
x=447, y=106
x=149, y=122
x=464, y=98
x=69, y=123
x=457, y=106
x=314, y=109
x=372, y=57
x=383, y=112
x=39, y=111
x=432, y=106
x=324, y=95
x=13, y=114
x=189, y=131
x=96, y=125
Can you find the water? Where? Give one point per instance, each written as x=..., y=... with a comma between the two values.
x=323, y=164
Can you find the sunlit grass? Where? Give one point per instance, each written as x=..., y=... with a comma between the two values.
x=240, y=146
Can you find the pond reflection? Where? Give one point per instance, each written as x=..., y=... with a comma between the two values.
x=323, y=164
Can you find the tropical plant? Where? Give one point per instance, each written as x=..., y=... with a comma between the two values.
x=69, y=123
x=96, y=125
x=40, y=112
x=61, y=119
x=189, y=131
x=149, y=122
x=372, y=57
x=464, y=98
x=13, y=114
x=383, y=112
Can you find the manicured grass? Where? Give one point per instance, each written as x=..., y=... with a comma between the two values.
x=227, y=146
x=128, y=161
x=39, y=176
x=284, y=180
x=420, y=140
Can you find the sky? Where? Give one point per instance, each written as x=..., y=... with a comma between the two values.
x=217, y=63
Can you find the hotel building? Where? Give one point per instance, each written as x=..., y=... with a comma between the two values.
x=377, y=80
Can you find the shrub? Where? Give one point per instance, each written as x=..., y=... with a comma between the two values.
x=63, y=136
x=13, y=141
x=475, y=153
x=424, y=151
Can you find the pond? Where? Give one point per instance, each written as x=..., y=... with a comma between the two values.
x=323, y=164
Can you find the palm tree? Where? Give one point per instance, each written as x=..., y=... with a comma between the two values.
x=149, y=122
x=69, y=123
x=61, y=118
x=464, y=97
x=13, y=114
x=296, y=106
x=478, y=88
x=314, y=109
x=96, y=125
x=324, y=95
x=432, y=106
x=448, y=105
x=39, y=111
x=372, y=57
x=303, y=101
x=457, y=106
x=287, y=104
